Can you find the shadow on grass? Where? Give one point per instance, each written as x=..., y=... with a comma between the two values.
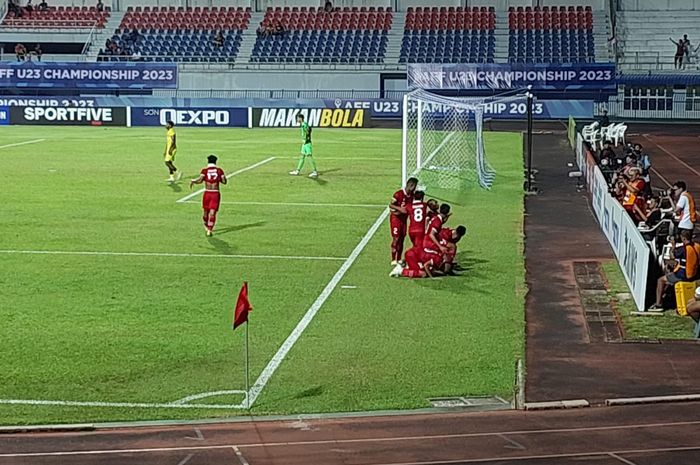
x=239, y=227
x=175, y=186
x=311, y=392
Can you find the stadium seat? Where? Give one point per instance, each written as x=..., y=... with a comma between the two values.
x=59, y=17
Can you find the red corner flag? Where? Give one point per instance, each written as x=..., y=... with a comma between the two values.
x=243, y=307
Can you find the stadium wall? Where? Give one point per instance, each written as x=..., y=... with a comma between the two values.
x=658, y=5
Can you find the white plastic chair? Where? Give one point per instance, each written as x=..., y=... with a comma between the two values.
x=589, y=132
x=619, y=135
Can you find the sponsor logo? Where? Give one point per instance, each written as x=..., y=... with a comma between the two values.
x=67, y=116
x=4, y=116
x=324, y=117
x=52, y=114
x=191, y=117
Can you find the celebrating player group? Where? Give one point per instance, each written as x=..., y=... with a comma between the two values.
x=434, y=245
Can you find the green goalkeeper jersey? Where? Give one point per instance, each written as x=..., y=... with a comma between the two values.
x=305, y=133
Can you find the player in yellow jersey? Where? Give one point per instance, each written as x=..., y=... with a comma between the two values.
x=170, y=151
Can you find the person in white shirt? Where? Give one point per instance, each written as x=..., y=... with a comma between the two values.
x=685, y=206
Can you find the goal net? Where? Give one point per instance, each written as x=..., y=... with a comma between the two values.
x=443, y=141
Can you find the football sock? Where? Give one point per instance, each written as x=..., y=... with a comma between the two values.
x=212, y=220
x=300, y=165
x=205, y=218
x=313, y=162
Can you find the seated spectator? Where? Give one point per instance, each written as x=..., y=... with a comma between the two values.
x=279, y=29
x=608, y=161
x=693, y=306
x=603, y=120
x=651, y=215
x=219, y=40
x=29, y=8
x=136, y=56
x=685, y=206
x=108, y=45
x=683, y=268
x=328, y=7
x=43, y=6
x=100, y=6
x=37, y=52
x=21, y=52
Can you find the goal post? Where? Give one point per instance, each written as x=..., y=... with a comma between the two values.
x=443, y=140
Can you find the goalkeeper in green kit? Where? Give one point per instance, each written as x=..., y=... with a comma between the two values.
x=306, y=148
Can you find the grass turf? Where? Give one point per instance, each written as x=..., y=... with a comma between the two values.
x=666, y=326
x=155, y=329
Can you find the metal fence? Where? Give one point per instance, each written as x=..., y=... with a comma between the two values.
x=657, y=103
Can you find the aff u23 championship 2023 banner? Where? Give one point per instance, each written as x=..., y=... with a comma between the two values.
x=490, y=76
x=128, y=75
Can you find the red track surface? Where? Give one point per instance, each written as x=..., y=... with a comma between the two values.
x=633, y=435
x=562, y=364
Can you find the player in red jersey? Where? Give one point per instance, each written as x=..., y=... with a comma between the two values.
x=211, y=176
x=433, y=206
x=423, y=259
x=398, y=217
x=432, y=249
x=417, y=213
x=449, y=239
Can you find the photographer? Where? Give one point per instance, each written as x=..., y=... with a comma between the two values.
x=608, y=161
x=633, y=185
x=651, y=215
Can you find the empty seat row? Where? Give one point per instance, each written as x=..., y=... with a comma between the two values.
x=186, y=18
x=57, y=17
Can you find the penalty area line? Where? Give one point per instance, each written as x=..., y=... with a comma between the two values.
x=166, y=254
x=235, y=173
x=35, y=141
x=300, y=204
x=287, y=345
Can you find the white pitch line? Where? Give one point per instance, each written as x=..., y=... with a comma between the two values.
x=239, y=454
x=72, y=403
x=165, y=254
x=235, y=173
x=302, y=204
x=287, y=345
x=22, y=143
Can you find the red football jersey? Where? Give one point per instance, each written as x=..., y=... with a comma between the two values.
x=445, y=235
x=212, y=174
x=435, y=226
x=417, y=213
x=401, y=199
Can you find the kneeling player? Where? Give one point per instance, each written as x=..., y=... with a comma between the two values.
x=211, y=176
x=449, y=239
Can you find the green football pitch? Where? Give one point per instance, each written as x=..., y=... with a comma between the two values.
x=115, y=306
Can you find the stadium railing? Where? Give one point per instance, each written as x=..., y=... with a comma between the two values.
x=281, y=94
x=42, y=25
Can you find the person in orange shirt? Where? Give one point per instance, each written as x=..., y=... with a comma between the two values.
x=633, y=187
x=685, y=268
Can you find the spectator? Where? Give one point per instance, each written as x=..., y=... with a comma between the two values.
x=43, y=6
x=328, y=7
x=685, y=207
x=684, y=268
x=686, y=47
x=279, y=29
x=136, y=56
x=37, y=52
x=219, y=40
x=644, y=162
x=29, y=8
x=651, y=215
x=680, y=52
x=108, y=45
x=634, y=189
x=608, y=161
x=604, y=120
x=693, y=306
x=100, y=6
x=21, y=52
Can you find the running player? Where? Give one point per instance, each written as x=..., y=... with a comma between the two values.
x=306, y=148
x=398, y=217
x=211, y=176
x=417, y=213
x=170, y=151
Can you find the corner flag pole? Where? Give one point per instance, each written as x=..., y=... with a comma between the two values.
x=247, y=368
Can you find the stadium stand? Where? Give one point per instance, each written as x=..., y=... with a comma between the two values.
x=180, y=34
x=449, y=35
x=645, y=45
x=58, y=17
x=349, y=35
x=550, y=35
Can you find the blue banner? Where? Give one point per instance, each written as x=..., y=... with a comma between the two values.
x=489, y=76
x=191, y=116
x=4, y=116
x=88, y=75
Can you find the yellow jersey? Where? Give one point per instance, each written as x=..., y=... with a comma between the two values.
x=169, y=140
